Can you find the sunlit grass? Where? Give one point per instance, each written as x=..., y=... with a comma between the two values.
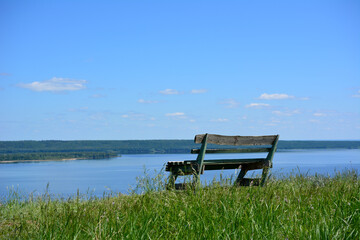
x=295, y=207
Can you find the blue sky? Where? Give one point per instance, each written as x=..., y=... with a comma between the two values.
x=173, y=69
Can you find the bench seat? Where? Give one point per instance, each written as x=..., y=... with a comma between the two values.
x=187, y=167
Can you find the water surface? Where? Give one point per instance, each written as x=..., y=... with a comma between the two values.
x=119, y=174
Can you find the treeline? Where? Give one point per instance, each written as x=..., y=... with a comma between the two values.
x=55, y=156
x=111, y=146
x=117, y=146
x=97, y=149
x=319, y=145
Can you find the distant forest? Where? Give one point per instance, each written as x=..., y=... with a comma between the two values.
x=55, y=156
x=99, y=149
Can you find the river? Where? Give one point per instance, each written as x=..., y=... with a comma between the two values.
x=99, y=177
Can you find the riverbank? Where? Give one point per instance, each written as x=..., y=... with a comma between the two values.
x=298, y=207
x=54, y=156
x=42, y=160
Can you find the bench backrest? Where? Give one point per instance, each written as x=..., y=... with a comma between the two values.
x=236, y=140
x=246, y=144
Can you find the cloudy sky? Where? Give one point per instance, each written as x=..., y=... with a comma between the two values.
x=173, y=69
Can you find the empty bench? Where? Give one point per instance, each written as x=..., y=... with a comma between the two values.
x=238, y=144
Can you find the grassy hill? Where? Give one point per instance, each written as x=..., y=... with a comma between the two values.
x=298, y=207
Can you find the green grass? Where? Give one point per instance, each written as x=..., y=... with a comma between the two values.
x=295, y=207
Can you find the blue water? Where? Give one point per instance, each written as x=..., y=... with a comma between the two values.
x=97, y=177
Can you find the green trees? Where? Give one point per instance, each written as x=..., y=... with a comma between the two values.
x=96, y=149
x=55, y=156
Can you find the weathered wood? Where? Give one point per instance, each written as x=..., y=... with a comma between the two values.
x=250, y=182
x=248, y=165
x=200, y=160
x=249, y=144
x=241, y=176
x=233, y=150
x=222, y=166
x=183, y=168
x=269, y=159
x=236, y=140
x=189, y=168
x=258, y=165
x=264, y=176
x=272, y=151
x=240, y=161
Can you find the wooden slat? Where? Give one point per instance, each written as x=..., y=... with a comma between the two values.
x=233, y=150
x=230, y=161
x=186, y=166
x=247, y=166
x=222, y=166
x=236, y=140
x=257, y=165
x=190, y=163
x=182, y=170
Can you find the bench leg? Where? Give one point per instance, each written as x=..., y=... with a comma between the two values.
x=171, y=181
x=264, y=176
x=196, y=179
x=241, y=176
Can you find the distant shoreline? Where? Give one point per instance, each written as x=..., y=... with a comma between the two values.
x=74, y=159
x=42, y=160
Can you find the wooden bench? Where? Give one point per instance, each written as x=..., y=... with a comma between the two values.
x=244, y=144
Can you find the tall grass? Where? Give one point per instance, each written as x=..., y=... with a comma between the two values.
x=295, y=207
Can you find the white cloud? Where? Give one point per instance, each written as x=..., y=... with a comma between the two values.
x=176, y=114
x=304, y=98
x=146, y=101
x=55, y=85
x=271, y=124
x=275, y=96
x=134, y=116
x=198, y=91
x=257, y=105
x=357, y=95
x=98, y=116
x=319, y=114
x=231, y=103
x=286, y=113
x=98, y=96
x=314, y=121
x=275, y=121
x=220, y=120
x=170, y=92
x=279, y=113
